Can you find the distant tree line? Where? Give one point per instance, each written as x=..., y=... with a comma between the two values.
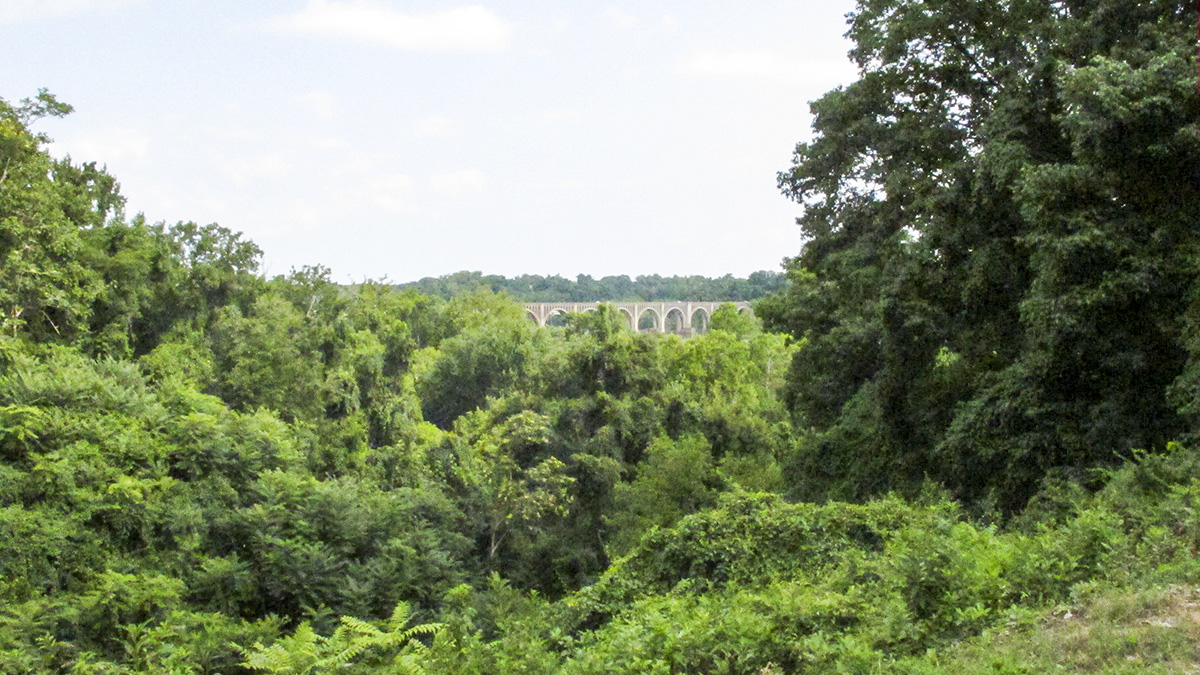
x=648, y=287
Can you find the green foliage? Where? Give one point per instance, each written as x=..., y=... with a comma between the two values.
x=1111, y=631
x=264, y=359
x=205, y=471
x=728, y=318
x=649, y=287
x=673, y=480
x=504, y=497
x=489, y=355
x=354, y=647
x=759, y=585
x=46, y=286
x=187, y=363
x=1000, y=184
x=131, y=510
x=74, y=271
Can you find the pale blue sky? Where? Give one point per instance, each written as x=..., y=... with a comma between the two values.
x=402, y=139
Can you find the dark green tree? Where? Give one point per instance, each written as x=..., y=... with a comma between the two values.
x=1000, y=215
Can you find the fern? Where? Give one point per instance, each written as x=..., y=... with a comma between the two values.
x=355, y=642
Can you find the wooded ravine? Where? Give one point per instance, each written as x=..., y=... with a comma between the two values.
x=960, y=433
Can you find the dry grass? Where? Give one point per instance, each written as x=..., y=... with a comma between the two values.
x=1110, y=632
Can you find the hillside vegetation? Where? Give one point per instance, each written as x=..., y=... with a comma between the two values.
x=963, y=440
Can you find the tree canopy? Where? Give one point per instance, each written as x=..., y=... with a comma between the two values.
x=1000, y=268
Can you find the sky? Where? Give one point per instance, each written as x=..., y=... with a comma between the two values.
x=399, y=139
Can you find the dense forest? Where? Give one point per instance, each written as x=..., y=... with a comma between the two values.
x=647, y=287
x=960, y=437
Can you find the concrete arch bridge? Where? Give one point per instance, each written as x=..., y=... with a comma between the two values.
x=683, y=317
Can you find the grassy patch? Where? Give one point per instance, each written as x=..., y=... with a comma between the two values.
x=1109, y=631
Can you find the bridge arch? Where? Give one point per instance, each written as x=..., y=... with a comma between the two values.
x=556, y=317
x=675, y=321
x=630, y=321
x=640, y=315
x=654, y=322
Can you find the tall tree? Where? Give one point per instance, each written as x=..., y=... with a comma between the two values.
x=1000, y=244
x=46, y=287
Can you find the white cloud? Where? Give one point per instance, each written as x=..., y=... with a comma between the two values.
x=620, y=17
x=247, y=170
x=112, y=146
x=559, y=115
x=760, y=64
x=459, y=183
x=322, y=104
x=238, y=133
x=474, y=28
x=22, y=10
x=434, y=126
x=391, y=192
x=327, y=143
x=292, y=216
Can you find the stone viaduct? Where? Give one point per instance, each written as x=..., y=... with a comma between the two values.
x=683, y=317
